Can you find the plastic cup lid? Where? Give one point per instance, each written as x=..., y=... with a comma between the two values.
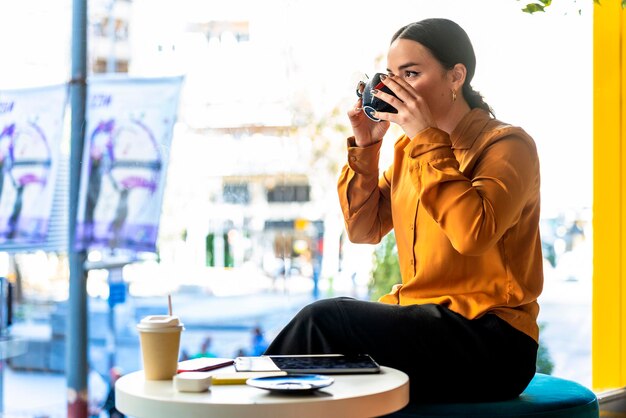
x=158, y=322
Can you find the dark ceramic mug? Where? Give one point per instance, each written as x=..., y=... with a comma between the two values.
x=372, y=103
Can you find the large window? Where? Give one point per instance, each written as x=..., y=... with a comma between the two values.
x=251, y=228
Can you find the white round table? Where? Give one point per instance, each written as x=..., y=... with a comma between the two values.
x=350, y=396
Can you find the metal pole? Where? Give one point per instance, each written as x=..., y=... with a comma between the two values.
x=115, y=279
x=76, y=345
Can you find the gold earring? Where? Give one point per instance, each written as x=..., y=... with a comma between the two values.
x=454, y=95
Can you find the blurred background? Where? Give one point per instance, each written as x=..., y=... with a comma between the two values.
x=250, y=229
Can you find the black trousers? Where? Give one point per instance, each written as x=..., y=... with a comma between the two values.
x=447, y=357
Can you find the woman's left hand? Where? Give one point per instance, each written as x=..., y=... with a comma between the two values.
x=413, y=113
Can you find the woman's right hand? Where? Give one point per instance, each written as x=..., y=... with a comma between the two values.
x=366, y=131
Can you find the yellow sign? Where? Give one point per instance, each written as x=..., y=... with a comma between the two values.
x=300, y=224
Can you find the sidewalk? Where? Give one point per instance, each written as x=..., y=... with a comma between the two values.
x=34, y=395
x=565, y=311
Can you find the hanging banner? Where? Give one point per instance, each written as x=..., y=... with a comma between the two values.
x=31, y=129
x=129, y=130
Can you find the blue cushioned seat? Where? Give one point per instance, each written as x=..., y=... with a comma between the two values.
x=545, y=397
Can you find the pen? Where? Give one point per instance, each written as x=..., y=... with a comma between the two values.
x=209, y=367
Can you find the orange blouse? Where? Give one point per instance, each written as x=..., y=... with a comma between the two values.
x=465, y=211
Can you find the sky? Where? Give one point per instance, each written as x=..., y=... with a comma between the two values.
x=535, y=71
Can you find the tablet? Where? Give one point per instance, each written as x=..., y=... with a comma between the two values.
x=319, y=363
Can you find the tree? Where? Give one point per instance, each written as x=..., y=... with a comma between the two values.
x=386, y=269
x=541, y=5
x=545, y=364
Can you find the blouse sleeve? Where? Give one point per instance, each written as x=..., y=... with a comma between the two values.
x=363, y=196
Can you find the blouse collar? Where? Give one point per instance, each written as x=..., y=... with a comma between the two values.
x=468, y=129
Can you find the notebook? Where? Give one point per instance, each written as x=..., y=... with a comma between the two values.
x=319, y=363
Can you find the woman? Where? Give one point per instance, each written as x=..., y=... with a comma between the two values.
x=462, y=197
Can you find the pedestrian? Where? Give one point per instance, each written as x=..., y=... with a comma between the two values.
x=205, y=349
x=97, y=392
x=259, y=344
x=109, y=405
x=462, y=196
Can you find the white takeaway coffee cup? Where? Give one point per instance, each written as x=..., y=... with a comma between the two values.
x=160, y=343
